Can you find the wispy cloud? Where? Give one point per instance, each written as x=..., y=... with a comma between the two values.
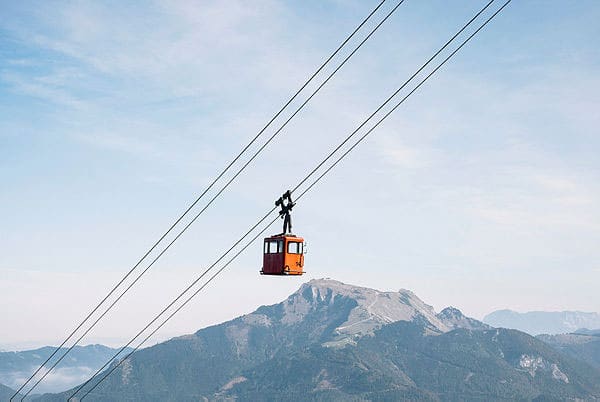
x=200, y=59
x=183, y=43
x=490, y=166
x=401, y=155
x=48, y=87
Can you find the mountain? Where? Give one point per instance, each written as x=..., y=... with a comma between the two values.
x=453, y=318
x=585, y=331
x=337, y=342
x=80, y=363
x=543, y=322
x=581, y=346
x=5, y=393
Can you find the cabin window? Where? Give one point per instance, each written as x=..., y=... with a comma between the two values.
x=294, y=247
x=273, y=247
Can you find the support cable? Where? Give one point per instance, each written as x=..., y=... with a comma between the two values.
x=214, y=198
x=273, y=221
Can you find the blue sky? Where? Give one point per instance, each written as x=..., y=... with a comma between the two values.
x=481, y=192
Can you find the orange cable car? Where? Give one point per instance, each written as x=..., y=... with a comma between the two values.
x=283, y=254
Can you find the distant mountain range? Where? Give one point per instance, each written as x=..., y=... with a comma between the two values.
x=543, y=322
x=5, y=393
x=337, y=342
x=585, y=331
x=82, y=361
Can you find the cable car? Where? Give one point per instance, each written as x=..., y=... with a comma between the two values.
x=283, y=253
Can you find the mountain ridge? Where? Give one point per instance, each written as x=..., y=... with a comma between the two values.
x=82, y=361
x=6, y=392
x=333, y=341
x=583, y=347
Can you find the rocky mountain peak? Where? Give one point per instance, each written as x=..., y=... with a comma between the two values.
x=324, y=289
x=454, y=318
x=371, y=308
x=451, y=312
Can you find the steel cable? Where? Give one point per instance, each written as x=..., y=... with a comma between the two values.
x=211, y=201
x=386, y=115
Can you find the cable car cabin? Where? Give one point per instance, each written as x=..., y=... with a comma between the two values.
x=283, y=255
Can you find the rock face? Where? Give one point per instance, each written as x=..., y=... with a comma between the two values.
x=371, y=309
x=333, y=341
x=543, y=322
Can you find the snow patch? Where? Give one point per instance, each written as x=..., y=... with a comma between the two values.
x=230, y=384
x=534, y=364
x=531, y=364
x=559, y=375
x=126, y=369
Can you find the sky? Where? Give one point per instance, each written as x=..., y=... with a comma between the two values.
x=482, y=191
